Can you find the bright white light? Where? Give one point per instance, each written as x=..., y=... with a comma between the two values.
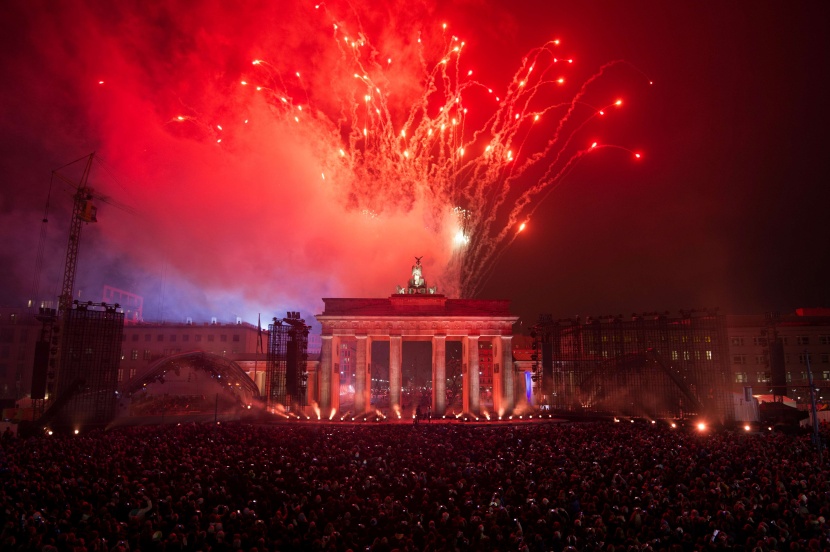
x=460, y=240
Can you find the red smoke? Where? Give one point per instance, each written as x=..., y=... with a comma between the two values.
x=236, y=226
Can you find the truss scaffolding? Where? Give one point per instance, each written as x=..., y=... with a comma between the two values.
x=286, y=377
x=650, y=365
x=87, y=380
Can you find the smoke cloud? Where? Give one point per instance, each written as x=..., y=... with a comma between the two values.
x=229, y=211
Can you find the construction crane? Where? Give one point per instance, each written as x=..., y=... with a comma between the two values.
x=84, y=210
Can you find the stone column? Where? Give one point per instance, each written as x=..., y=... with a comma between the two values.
x=325, y=377
x=369, y=342
x=499, y=408
x=312, y=389
x=335, y=380
x=439, y=375
x=472, y=384
x=507, y=377
x=368, y=391
x=395, y=347
x=360, y=405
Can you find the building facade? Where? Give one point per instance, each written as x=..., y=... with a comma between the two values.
x=145, y=343
x=418, y=317
x=650, y=365
x=804, y=343
x=19, y=331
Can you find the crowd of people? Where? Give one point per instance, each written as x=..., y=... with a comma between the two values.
x=427, y=487
x=146, y=404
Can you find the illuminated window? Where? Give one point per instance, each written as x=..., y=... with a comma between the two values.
x=147, y=354
x=134, y=354
x=674, y=355
x=740, y=377
x=708, y=355
x=763, y=377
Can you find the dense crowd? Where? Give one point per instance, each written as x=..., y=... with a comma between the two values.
x=385, y=487
x=144, y=405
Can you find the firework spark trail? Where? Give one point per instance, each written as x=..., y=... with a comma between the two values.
x=557, y=168
x=477, y=183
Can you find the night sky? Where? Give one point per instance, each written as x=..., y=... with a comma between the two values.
x=727, y=207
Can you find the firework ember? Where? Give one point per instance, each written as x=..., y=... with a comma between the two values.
x=276, y=152
x=472, y=160
x=275, y=156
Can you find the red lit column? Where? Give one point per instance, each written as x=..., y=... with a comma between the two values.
x=395, y=343
x=325, y=374
x=472, y=385
x=361, y=373
x=439, y=375
x=507, y=381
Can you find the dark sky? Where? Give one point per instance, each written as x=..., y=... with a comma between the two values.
x=726, y=208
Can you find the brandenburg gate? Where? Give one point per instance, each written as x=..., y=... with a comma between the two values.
x=416, y=313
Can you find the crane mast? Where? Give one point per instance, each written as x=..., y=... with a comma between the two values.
x=83, y=210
